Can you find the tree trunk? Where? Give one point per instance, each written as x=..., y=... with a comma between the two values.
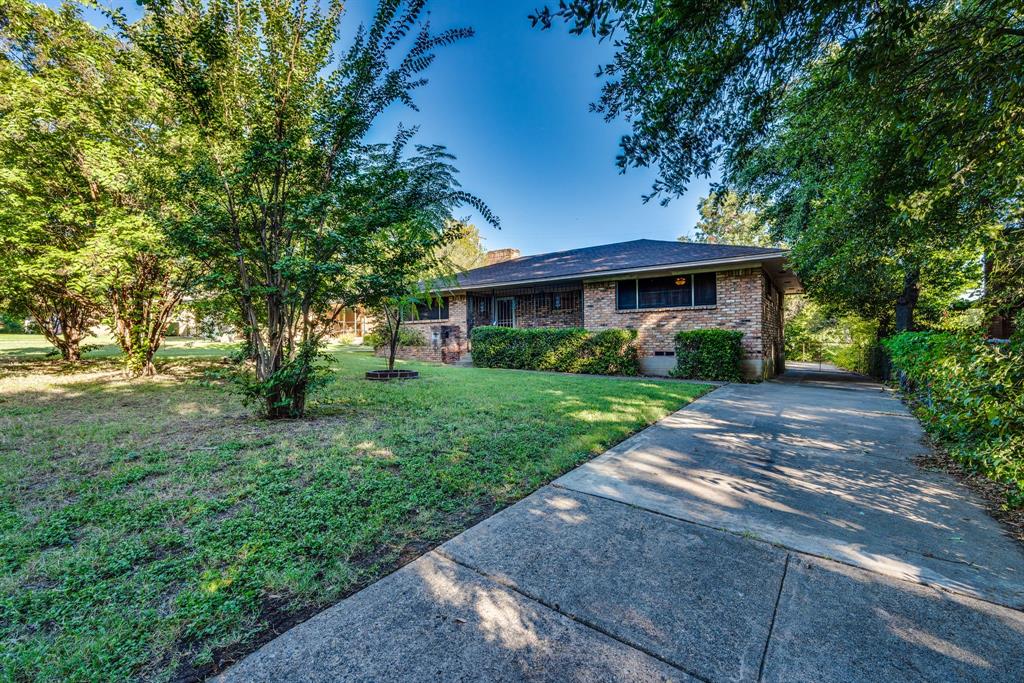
x=140, y=317
x=905, y=304
x=880, y=366
x=907, y=300
x=393, y=350
x=284, y=364
x=64, y=321
x=71, y=351
x=394, y=322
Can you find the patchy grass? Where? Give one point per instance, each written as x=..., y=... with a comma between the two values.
x=155, y=530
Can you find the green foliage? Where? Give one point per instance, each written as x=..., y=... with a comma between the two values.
x=969, y=394
x=709, y=354
x=848, y=341
x=869, y=235
x=292, y=209
x=727, y=218
x=463, y=253
x=285, y=392
x=11, y=324
x=700, y=81
x=163, y=535
x=884, y=140
x=571, y=349
x=379, y=337
x=87, y=146
x=1004, y=281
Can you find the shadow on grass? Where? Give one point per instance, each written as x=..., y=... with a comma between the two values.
x=160, y=515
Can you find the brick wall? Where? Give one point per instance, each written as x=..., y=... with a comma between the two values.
x=739, y=306
x=446, y=340
x=538, y=311
x=771, y=333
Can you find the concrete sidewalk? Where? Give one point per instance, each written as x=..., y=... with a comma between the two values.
x=775, y=532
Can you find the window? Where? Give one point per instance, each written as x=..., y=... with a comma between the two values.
x=674, y=291
x=434, y=311
x=664, y=292
x=563, y=302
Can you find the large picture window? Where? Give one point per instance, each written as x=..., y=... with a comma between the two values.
x=436, y=310
x=674, y=291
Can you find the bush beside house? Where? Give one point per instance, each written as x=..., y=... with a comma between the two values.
x=709, y=354
x=969, y=394
x=571, y=349
x=378, y=338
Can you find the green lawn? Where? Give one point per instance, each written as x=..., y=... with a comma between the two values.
x=31, y=347
x=154, y=529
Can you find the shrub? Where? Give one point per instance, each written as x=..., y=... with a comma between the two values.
x=406, y=337
x=573, y=349
x=709, y=354
x=11, y=324
x=969, y=394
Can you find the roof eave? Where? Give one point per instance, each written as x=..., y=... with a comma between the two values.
x=754, y=259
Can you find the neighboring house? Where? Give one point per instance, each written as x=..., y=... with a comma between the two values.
x=350, y=321
x=657, y=288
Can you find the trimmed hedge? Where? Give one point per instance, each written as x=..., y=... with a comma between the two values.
x=969, y=394
x=571, y=349
x=709, y=354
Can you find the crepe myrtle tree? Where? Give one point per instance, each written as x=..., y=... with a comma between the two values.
x=410, y=261
x=397, y=309
x=286, y=200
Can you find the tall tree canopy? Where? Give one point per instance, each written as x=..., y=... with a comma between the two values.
x=701, y=82
x=86, y=142
x=466, y=251
x=728, y=218
x=885, y=137
x=294, y=211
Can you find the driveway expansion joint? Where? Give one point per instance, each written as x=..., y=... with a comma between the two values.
x=568, y=615
x=775, y=613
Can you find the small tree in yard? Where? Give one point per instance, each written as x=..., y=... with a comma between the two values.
x=396, y=310
x=286, y=201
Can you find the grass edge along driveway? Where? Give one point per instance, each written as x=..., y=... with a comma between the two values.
x=155, y=530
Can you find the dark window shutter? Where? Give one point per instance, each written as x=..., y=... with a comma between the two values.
x=625, y=294
x=705, y=291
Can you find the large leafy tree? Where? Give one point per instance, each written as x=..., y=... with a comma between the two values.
x=701, y=82
x=870, y=233
x=286, y=200
x=47, y=193
x=86, y=141
x=466, y=251
x=888, y=134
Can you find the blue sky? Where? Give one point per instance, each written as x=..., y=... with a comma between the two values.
x=512, y=104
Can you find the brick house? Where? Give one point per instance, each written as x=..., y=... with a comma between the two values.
x=655, y=287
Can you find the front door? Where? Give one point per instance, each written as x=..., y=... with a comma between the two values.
x=505, y=311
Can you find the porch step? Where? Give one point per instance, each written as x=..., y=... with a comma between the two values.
x=464, y=361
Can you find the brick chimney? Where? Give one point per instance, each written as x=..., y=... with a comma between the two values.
x=499, y=255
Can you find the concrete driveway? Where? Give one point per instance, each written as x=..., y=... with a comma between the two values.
x=775, y=532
